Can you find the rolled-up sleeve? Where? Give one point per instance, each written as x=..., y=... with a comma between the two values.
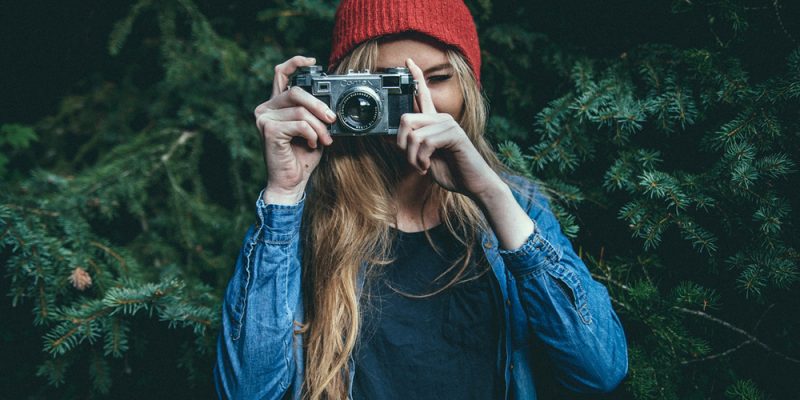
x=255, y=355
x=566, y=309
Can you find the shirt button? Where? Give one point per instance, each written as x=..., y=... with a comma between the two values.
x=488, y=245
x=512, y=366
x=508, y=302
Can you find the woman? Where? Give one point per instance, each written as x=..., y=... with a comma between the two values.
x=405, y=266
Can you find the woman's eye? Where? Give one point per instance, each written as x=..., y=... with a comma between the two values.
x=439, y=78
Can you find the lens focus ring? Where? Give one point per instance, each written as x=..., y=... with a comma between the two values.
x=359, y=109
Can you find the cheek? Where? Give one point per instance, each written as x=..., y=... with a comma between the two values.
x=448, y=100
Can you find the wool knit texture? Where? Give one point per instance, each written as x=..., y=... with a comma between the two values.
x=448, y=21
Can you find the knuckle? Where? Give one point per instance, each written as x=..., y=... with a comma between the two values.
x=260, y=118
x=405, y=119
x=299, y=112
x=295, y=92
x=267, y=127
x=260, y=110
x=304, y=126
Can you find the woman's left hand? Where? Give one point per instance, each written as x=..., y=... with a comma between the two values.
x=435, y=143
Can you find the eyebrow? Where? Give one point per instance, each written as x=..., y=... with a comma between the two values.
x=436, y=68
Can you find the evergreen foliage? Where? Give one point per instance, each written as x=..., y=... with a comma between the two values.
x=671, y=160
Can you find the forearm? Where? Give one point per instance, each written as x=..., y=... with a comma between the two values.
x=510, y=223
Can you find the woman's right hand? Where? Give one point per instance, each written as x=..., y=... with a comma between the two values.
x=292, y=126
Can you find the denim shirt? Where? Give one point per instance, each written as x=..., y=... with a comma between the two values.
x=549, y=298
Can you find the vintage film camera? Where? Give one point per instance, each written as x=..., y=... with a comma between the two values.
x=364, y=103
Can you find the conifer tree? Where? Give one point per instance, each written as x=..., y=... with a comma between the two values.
x=671, y=160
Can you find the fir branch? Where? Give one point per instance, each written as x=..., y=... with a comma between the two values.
x=718, y=355
x=777, y=7
x=185, y=136
x=611, y=280
x=112, y=253
x=5, y=232
x=37, y=211
x=751, y=338
x=732, y=349
x=738, y=330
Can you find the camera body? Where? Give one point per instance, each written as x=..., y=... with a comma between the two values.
x=364, y=103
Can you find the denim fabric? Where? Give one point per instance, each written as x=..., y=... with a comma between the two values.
x=549, y=297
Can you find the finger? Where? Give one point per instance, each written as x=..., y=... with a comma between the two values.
x=424, y=99
x=403, y=130
x=414, y=140
x=272, y=128
x=298, y=97
x=432, y=143
x=302, y=129
x=412, y=121
x=302, y=114
x=432, y=138
x=282, y=72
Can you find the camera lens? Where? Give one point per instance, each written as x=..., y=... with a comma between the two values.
x=359, y=110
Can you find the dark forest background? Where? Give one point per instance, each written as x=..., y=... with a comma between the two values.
x=666, y=131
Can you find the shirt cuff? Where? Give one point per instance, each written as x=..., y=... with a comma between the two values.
x=535, y=254
x=279, y=220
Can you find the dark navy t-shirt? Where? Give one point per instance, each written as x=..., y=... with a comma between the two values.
x=439, y=347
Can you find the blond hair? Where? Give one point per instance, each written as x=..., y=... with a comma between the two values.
x=349, y=211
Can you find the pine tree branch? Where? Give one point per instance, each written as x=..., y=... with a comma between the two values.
x=185, y=136
x=36, y=211
x=777, y=8
x=610, y=280
x=732, y=349
x=741, y=126
x=39, y=283
x=621, y=304
x=718, y=355
x=741, y=331
x=5, y=232
x=97, y=272
x=112, y=253
x=79, y=322
x=751, y=337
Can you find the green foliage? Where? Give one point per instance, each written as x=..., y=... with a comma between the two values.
x=744, y=390
x=13, y=139
x=673, y=168
x=697, y=161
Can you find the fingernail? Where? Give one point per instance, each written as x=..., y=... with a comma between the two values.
x=331, y=116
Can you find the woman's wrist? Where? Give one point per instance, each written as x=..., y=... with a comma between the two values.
x=495, y=190
x=510, y=223
x=280, y=196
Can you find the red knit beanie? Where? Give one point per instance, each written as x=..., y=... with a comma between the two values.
x=448, y=21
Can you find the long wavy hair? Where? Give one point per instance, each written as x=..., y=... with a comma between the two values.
x=350, y=207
